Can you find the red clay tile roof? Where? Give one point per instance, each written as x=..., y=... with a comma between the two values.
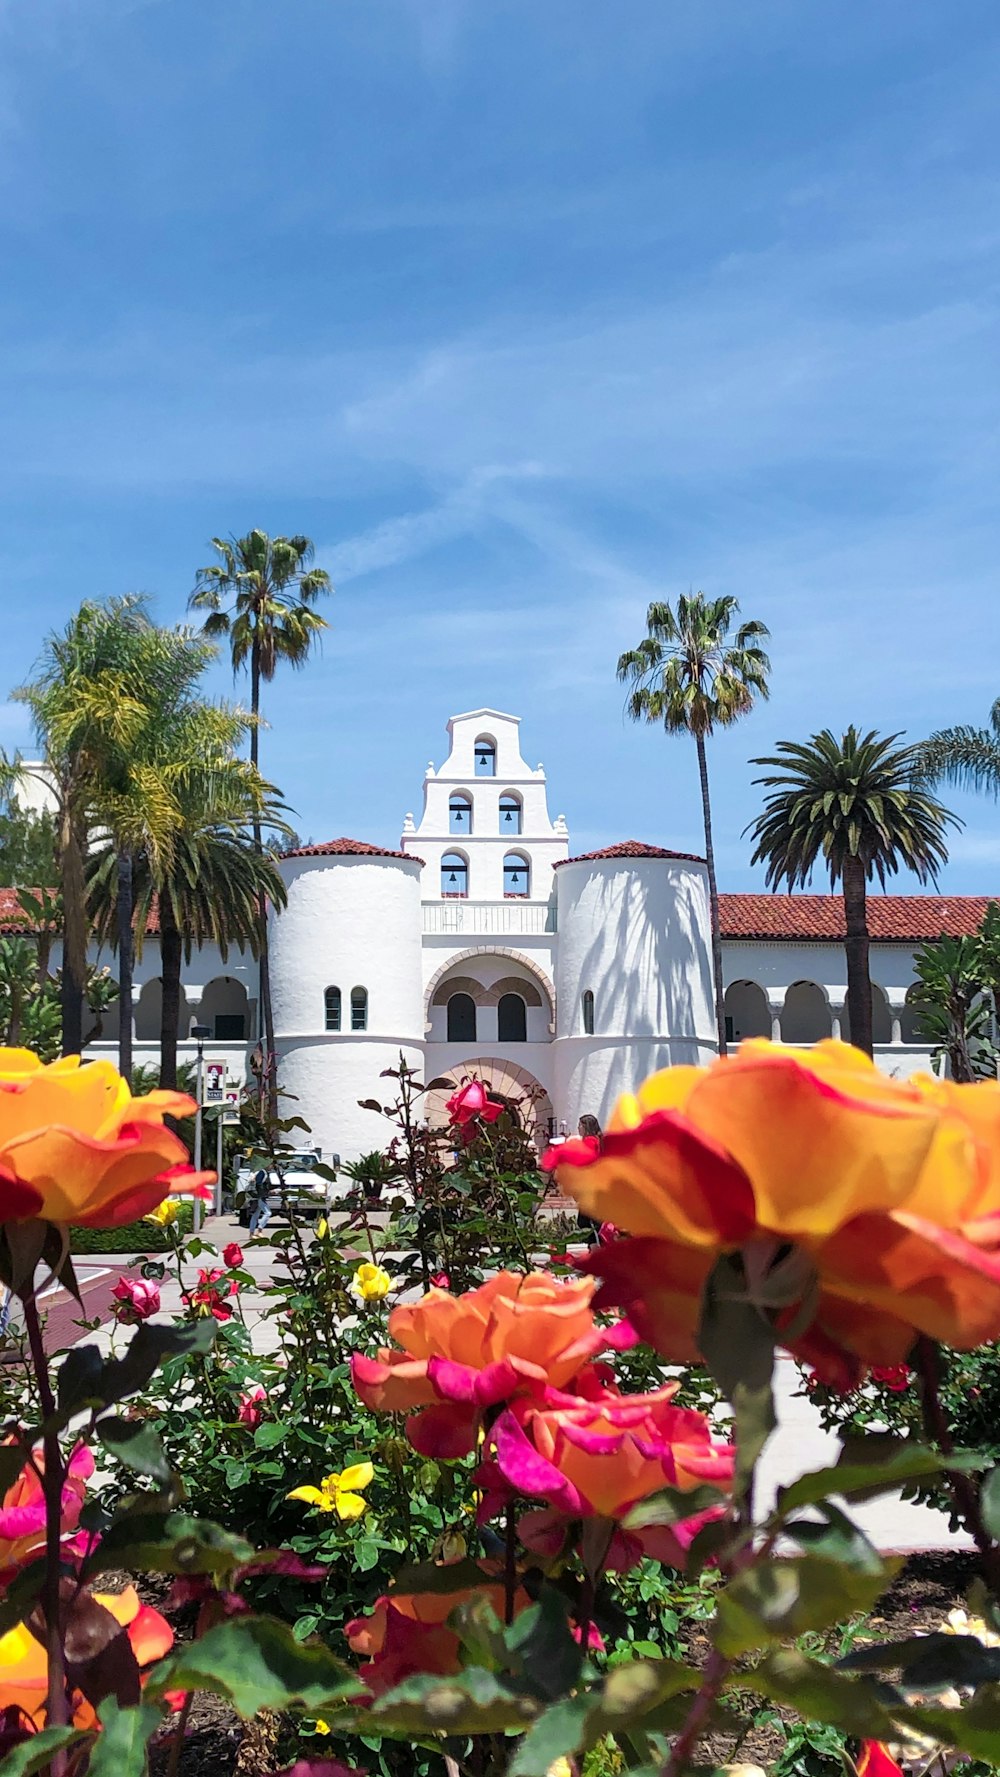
x=892, y=919
x=348, y=848
x=631, y=848
x=13, y=919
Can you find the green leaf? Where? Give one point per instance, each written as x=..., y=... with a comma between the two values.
x=268, y=1436
x=559, y=1733
x=120, y=1750
x=80, y=1373
x=989, y=1503
x=136, y=1444
x=256, y=1663
x=35, y=1754
x=737, y=1344
x=777, y=1600
x=836, y=1538
x=543, y=1643
x=13, y=1458
x=672, y=1506
x=366, y=1554
x=893, y=1463
x=929, y=1660
x=428, y=1576
x=819, y=1693
x=21, y=1594
x=169, y=1543
x=149, y=1348
x=473, y=1702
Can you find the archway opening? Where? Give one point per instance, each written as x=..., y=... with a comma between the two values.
x=747, y=1012
x=805, y=1017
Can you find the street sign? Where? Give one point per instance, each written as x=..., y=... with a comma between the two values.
x=231, y=1105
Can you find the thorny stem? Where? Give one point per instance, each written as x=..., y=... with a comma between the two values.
x=174, y=1763
x=963, y=1490
x=714, y=1678
x=56, y=1702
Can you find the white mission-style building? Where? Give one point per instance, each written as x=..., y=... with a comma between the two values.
x=481, y=946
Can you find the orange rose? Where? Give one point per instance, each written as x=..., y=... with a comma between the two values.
x=598, y=1458
x=462, y=1354
x=76, y=1147
x=406, y=1632
x=24, y=1666
x=22, y=1510
x=889, y=1190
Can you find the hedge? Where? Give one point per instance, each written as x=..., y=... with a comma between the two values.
x=134, y=1237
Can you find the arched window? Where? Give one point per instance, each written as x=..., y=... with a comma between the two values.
x=587, y=1007
x=516, y=876
x=512, y=1019
x=225, y=1009
x=486, y=757
x=359, y=1008
x=461, y=1018
x=460, y=813
x=511, y=814
x=454, y=876
x=332, y=1008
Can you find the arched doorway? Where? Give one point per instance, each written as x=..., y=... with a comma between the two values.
x=503, y=1079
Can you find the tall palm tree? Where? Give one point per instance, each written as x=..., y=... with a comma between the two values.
x=261, y=593
x=206, y=887
x=688, y=674
x=86, y=711
x=964, y=756
x=853, y=803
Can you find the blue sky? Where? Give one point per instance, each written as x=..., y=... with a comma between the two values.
x=527, y=314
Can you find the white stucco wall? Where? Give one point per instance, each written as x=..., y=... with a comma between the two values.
x=636, y=934
x=541, y=841
x=350, y=922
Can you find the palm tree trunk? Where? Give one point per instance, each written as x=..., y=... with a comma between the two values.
x=74, y=958
x=264, y=961
x=713, y=896
x=170, y=981
x=126, y=960
x=859, y=987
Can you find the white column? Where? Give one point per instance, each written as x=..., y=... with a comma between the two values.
x=896, y=1033
x=775, y=1012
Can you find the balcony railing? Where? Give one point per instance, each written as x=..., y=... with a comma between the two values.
x=489, y=919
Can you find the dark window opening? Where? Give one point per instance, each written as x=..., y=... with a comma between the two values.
x=461, y=1018
x=512, y=1019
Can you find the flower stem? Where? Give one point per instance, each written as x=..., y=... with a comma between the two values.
x=510, y=1567
x=57, y=1703
x=714, y=1678
x=964, y=1491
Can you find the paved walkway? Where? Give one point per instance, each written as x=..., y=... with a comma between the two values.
x=798, y=1445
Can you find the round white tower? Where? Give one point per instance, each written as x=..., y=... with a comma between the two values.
x=346, y=987
x=633, y=973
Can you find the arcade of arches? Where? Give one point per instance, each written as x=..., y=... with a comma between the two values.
x=804, y=1013
x=223, y=1006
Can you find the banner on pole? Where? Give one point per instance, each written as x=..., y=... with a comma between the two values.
x=215, y=1082
x=231, y=1105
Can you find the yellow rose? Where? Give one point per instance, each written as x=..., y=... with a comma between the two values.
x=76, y=1147
x=370, y=1283
x=165, y=1214
x=340, y=1493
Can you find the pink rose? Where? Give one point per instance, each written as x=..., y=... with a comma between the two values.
x=233, y=1255
x=471, y=1101
x=252, y=1405
x=135, y=1299
x=441, y=1280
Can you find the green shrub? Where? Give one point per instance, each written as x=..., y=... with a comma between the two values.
x=134, y=1237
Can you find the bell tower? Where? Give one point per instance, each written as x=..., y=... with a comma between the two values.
x=485, y=832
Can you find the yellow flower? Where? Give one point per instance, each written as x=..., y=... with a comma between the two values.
x=340, y=1493
x=320, y=1726
x=370, y=1283
x=165, y=1213
x=322, y=1228
x=560, y=1767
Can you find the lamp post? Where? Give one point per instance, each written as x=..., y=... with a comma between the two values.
x=199, y=1032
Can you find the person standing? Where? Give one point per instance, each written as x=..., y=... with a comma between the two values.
x=261, y=1186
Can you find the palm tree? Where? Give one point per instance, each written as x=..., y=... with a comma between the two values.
x=689, y=675
x=855, y=804
x=964, y=756
x=207, y=887
x=85, y=712
x=260, y=593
